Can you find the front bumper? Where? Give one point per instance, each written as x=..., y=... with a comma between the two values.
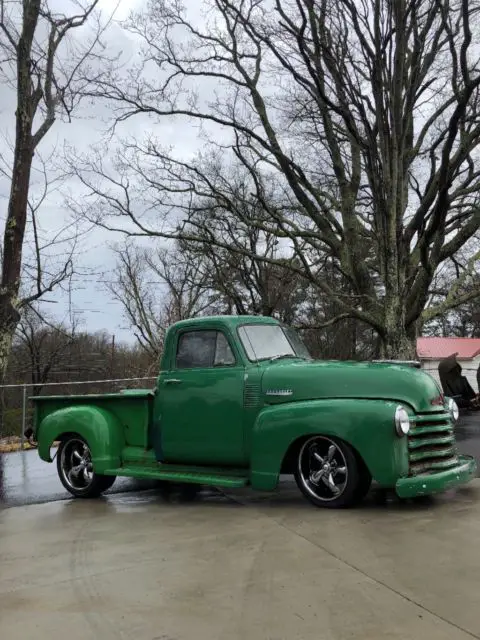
x=424, y=485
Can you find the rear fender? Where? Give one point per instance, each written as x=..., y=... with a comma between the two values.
x=367, y=425
x=101, y=429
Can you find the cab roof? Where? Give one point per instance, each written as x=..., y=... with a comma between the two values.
x=230, y=321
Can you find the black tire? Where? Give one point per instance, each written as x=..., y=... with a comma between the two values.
x=165, y=489
x=79, y=479
x=329, y=474
x=108, y=481
x=189, y=492
x=179, y=492
x=364, y=482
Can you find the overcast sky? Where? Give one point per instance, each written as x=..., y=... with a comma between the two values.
x=95, y=262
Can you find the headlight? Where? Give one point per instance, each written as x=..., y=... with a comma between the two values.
x=453, y=408
x=402, y=421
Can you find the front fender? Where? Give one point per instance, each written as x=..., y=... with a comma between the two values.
x=367, y=425
x=98, y=427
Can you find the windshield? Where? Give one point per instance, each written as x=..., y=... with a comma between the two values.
x=266, y=341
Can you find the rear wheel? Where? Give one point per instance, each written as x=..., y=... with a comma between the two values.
x=75, y=469
x=179, y=492
x=329, y=474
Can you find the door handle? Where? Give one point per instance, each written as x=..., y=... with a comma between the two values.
x=172, y=381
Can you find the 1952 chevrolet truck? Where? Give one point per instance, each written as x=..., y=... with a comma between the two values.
x=239, y=401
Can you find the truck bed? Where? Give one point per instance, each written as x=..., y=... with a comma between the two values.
x=133, y=408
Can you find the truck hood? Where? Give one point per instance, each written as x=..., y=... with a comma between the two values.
x=287, y=381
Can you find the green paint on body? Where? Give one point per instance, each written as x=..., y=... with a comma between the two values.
x=241, y=423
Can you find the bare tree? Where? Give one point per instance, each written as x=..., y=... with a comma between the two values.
x=45, y=66
x=45, y=344
x=244, y=264
x=48, y=252
x=455, y=279
x=60, y=353
x=366, y=114
x=157, y=288
x=463, y=322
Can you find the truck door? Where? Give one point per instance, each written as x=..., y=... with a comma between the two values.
x=201, y=401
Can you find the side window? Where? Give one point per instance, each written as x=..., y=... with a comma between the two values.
x=196, y=349
x=223, y=354
x=202, y=349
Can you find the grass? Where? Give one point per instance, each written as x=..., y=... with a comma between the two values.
x=13, y=443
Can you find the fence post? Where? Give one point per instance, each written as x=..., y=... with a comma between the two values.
x=24, y=416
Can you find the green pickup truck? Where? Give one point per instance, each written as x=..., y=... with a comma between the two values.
x=239, y=401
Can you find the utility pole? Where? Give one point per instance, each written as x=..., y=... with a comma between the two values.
x=112, y=356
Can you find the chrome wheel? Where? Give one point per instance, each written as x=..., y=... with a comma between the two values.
x=323, y=469
x=76, y=465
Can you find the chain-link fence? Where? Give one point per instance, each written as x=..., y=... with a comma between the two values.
x=16, y=410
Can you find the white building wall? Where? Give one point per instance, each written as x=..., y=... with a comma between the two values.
x=431, y=367
x=469, y=370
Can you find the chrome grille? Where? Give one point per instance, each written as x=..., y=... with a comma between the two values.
x=431, y=444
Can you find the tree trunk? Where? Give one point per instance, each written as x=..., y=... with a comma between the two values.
x=13, y=249
x=9, y=318
x=16, y=219
x=397, y=342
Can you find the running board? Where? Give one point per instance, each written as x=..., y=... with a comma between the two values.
x=162, y=472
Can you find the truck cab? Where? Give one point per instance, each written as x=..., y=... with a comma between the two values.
x=239, y=401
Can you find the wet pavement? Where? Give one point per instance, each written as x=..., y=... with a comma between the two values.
x=132, y=566
x=467, y=433
x=236, y=565
x=29, y=480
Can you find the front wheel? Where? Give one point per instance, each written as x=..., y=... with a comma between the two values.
x=75, y=469
x=329, y=474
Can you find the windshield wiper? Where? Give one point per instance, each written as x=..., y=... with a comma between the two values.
x=286, y=355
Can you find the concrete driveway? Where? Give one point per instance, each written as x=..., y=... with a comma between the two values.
x=237, y=565
x=240, y=566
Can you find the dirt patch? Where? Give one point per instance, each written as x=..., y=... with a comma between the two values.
x=14, y=443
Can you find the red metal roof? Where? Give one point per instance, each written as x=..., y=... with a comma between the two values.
x=437, y=348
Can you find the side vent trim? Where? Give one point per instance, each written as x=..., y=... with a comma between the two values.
x=251, y=395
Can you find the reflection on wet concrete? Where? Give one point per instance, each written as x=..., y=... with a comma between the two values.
x=468, y=426
x=2, y=490
x=28, y=480
x=467, y=433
